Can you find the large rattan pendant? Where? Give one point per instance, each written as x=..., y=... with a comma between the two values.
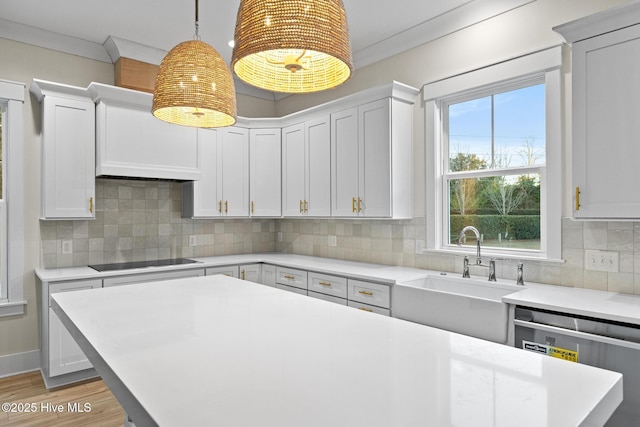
x=292, y=46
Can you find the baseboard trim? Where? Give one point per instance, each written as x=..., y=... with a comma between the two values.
x=19, y=363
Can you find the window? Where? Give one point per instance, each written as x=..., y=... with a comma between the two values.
x=493, y=158
x=495, y=146
x=11, y=193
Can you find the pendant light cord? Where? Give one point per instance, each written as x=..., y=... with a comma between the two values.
x=197, y=35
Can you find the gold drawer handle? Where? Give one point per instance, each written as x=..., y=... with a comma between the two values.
x=242, y=274
x=91, y=204
x=577, y=198
x=226, y=206
x=301, y=206
x=220, y=206
x=324, y=284
x=290, y=277
x=367, y=293
x=253, y=206
x=353, y=204
x=365, y=309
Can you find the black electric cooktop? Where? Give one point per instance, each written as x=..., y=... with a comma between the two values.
x=142, y=264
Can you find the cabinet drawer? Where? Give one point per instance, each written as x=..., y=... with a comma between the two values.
x=370, y=308
x=73, y=286
x=329, y=285
x=369, y=293
x=291, y=277
x=329, y=298
x=291, y=289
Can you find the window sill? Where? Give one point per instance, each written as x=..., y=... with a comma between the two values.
x=488, y=253
x=13, y=308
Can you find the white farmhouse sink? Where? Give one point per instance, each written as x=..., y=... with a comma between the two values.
x=468, y=306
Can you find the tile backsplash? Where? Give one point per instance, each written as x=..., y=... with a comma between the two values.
x=141, y=220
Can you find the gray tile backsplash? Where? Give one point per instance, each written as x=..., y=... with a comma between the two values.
x=141, y=220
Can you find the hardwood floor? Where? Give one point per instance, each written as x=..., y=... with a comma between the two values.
x=55, y=407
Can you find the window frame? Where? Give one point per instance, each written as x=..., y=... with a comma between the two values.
x=12, y=301
x=542, y=67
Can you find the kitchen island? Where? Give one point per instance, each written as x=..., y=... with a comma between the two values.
x=220, y=351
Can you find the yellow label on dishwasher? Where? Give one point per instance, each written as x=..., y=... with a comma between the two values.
x=549, y=350
x=563, y=353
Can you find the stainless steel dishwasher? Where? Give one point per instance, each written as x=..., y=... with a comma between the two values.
x=597, y=342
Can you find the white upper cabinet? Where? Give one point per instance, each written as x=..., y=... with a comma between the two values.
x=606, y=103
x=265, y=177
x=306, y=165
x=131, y=142
x=223, y=189
x=68, y=151
x=371, y=160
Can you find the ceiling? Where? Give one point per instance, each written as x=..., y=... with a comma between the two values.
x=83, y=27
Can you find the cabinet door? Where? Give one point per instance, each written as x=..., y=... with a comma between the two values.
x=200, y=198
x=606, y=101
x=251, y=272
x=68, y=158
x=293, y=170
x=269, y=275
x=344, y=163
x=318, y=167
x=231, y=271
x=374, y=167
x=65, y=356
x=265, y=177
x=233, y=175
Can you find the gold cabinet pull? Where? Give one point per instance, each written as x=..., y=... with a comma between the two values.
x=220, y=206
x=300, y=206
x=91, y=204
x=325, y=284
x=252, y=206
x=577, y=198
x=359, y=205
x=289, y=277
x=353, y=204
x=365, y=309
x=306, y=206
x=367, y=293
x=226, y=206
x=242, y=274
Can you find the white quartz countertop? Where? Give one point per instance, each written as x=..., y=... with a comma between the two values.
x=357, y=270
x=220, y=351
x=586, y=302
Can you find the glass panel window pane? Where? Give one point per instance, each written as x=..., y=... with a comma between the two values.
x=470, y=135
x=519, y=127
x=504, y=209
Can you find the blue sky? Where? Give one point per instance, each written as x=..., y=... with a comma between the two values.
x=519, y=120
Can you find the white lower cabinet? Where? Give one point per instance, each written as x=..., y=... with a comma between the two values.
x=268, y=275
x=370, y=308
x=291, y=277
x=60, y=354
x=251, y=272
x=328, y=298
x=329, y=285
x=293, y=289
x=227, y=270
x=152, y=277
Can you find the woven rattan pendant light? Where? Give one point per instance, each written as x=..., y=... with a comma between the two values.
x=194, y=86
x=292, y=46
